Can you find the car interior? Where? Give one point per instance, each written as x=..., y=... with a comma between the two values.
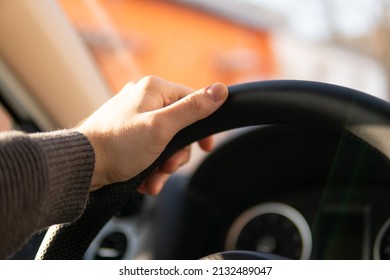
x=301, y=168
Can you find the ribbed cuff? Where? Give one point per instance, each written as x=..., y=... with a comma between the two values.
x=70, y=162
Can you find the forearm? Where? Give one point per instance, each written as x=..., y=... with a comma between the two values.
x=44, y=180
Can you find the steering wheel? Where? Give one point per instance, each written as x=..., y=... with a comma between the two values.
x=351, y=112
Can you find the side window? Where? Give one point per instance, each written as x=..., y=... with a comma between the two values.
x=6, y=122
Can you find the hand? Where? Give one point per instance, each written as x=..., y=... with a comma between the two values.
x=132, y=129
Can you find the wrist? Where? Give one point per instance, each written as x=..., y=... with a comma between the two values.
x=98, y=179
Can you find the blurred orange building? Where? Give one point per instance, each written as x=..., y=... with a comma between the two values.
x=133, y=38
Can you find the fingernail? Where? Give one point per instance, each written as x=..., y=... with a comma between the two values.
x=216, y=92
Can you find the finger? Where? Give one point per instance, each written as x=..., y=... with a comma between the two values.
x=176, y=160
x=142, y=188
x=207, y=144
x=169, y=92
x=154, y=83
x=192, y=107
x=154, y=183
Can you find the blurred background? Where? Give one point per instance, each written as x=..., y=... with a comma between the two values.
x=193, y=42
x=196, y=42
x=61, y=59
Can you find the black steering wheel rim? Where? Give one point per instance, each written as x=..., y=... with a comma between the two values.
x=269, y=102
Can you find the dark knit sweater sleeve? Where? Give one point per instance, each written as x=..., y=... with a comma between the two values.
x=44, y=180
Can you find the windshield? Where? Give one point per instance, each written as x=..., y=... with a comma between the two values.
x=198, y=42
x=182, y=43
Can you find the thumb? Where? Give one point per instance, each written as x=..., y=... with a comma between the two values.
x=193, y=107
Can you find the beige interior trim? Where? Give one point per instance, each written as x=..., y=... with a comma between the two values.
x=22, y=102
x=41, y=49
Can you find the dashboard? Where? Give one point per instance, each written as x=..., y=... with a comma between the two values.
x=296, y=191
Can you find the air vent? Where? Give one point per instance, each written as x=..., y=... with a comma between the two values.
x=112, y=247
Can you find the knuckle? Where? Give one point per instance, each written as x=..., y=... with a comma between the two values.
x=149, y=82
x=129, y=84
x=192, y=104
x=159, y=131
